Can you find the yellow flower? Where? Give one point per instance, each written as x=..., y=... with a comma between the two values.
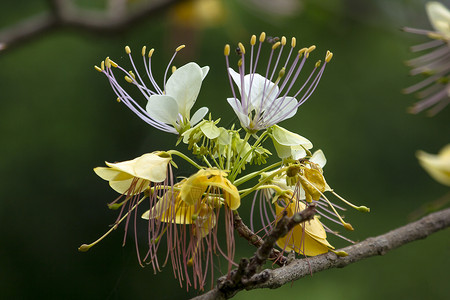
x=438, y=166
x=308, y=238
x=196, y=185
x=193, y=205
x=134, y=176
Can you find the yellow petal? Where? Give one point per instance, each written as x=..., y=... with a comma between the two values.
x=438, y=166
x=107, y=173
x=123, y=186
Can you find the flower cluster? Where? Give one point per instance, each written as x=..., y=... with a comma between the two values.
x=434, y=90
x=189, y=215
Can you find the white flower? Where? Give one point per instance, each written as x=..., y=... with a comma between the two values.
x=168, y=108
x=260, y=108
x=263, y=102
x=174, y=106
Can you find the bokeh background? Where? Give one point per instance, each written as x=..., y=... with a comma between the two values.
x=59, y=119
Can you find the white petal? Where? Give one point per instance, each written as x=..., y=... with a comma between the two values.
x=262, y=91
x=287, y=138
x=298, y=152
x=205, y=71
x=184, y=86
x=210, y=130
x=198, y=116
x=236, y=105
x=319, y=158
x=281, y=109
x=236, y=78
x=439, y=17
x=162, y=108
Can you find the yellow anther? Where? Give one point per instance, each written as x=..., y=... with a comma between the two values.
x=276, y=45
x=253, y=40
x=283, y=40
x=363, y=209
x=150, y=53
x=118, y=99
x=84, y=248
x=226, y=51
x=179, y=48
x=318, y=63
x=329, y=56
x=107, y=63
x=132, y=74
x=262, y=37
x=293, y=42
x=190, y=262
x=128, y=79
x=239, y=63
x=143, y=50
x=98, y=68
x=348, y=226
x=127, y=50
x=113, y=63
x=174, y=69
x=102, y=65
x=301, y=51
x=282, y=72
x=311, y=49
x=242, y=48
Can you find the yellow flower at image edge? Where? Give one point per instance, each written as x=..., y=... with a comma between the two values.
x=309, y=238
x=438, y=166
x=134, y=176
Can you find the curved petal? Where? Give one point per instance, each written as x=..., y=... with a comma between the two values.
x=261, y=91
x=236, y=105
x=123, y=186
x=198, y=116
x=205, y=71
x=236, y=78
x=163, y=109
x=439, y=17
x=282, y=108
x=319, y=158
x=210, y=130
x=111, y=174
x=288, y=138
x=184, y=86
x=151, y=167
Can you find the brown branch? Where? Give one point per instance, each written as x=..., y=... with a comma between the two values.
x=64, y=13
x=379, y=245
x=247, y=273
x=255, y=239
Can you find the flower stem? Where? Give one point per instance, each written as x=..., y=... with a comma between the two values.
x=175, y=152
x=254, y=174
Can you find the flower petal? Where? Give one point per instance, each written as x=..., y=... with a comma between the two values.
x=287, y=138
x=184, y=86
x=163, y=108
x=439, y=17
x=205, y=71
x=281, y=109
x=198, y=116
x=319, y=158
x=210, y=130
x=262, y=91
x=243, y=118
x=151, y=167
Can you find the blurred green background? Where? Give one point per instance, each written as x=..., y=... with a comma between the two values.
x=59, y=119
